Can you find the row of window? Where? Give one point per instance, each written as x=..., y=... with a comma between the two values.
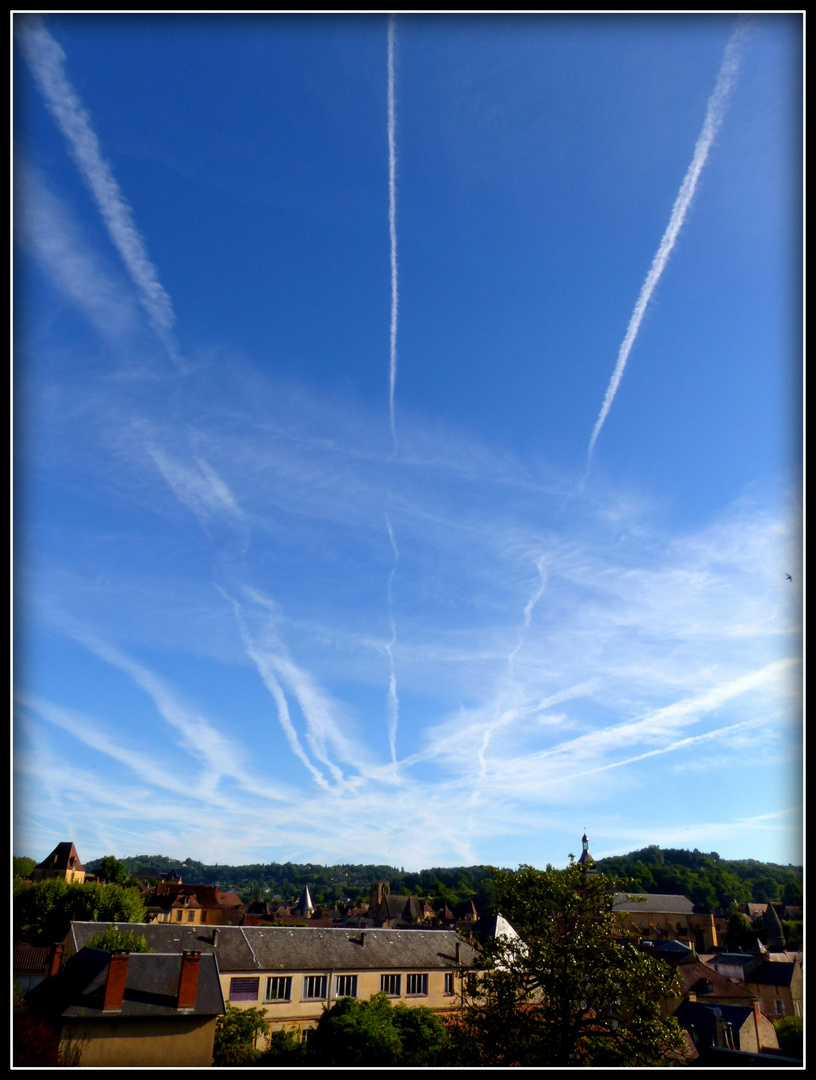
x=315, y=987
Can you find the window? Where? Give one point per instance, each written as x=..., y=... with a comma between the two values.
x=244, y=989
x=190, y=916
x=417, y=984
x=178, y=916
x=279, y=988
x=314, y=987
x=345, y=986
x=448, y=983
x=390, y=985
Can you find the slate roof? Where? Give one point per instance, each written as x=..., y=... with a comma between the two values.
x=151, y=990
x=299, y=948
x=704, y=1019
x=772, y=973
x=653, y=903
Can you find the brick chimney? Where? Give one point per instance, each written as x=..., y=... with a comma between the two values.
x=188, y=980
x=55, y=960
x=117, y=979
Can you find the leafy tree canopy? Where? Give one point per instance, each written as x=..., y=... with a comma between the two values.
x=111, y=939
x=373, y=1032
x=44, y=910
x=567, y=991
x=110, y=869
x=236, y=1033
x=22, y=866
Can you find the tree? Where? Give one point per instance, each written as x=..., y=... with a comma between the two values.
x=112, y=939
x=740, y=933
x=236, y=1033
x=790, y=1035
x=356, y=1032
x=22, y=866
x=111, y=870
x=44, y=910
x=568, y=991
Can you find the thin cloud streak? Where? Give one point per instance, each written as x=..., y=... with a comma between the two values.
x=46, y=61
x=392, y=225
x=275, y=689
x=44, y=226
x=714, y=117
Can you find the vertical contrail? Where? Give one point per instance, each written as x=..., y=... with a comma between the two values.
x=392, y=226
x=713, y=119
x=47, y=63
x=393, y=700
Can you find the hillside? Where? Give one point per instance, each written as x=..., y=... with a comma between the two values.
x=704, y=878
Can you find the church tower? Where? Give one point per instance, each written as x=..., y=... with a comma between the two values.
x=585, y=861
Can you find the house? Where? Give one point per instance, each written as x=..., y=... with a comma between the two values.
x=63, y=862
x=730, y=1027
x=668, y=917
x=124, y=1009
x=699, y=982
x=293, y=972
x=170, y=901
x=394, y=912
x=778, y=984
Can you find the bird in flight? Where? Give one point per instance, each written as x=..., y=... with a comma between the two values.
x=788, y=577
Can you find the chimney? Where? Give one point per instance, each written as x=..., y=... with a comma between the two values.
x=362, y=937
x=188, y=980
x=55, y=960
x=458, y=949
x=117, y=979
x=215, y=937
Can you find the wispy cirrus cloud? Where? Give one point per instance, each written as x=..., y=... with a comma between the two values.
x=45, y=227
x=197, y=486
x=46, y=61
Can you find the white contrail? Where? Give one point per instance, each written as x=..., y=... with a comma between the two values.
x=393, y=700
x=392, y=226
x=46, y=60
x=713, y=119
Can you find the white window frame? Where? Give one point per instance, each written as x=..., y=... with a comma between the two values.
x=449, y=984
x=345, y=986
x=312, y=982
x=388, y=981
x=285, y=981
x=416, y=984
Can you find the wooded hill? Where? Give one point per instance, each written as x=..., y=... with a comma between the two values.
x=704, y=878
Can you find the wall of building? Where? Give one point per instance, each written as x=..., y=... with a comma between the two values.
x=306, y=1012
x=117, y=1042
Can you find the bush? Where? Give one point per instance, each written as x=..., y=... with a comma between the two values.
x=235, y=1036
x=790, y=1034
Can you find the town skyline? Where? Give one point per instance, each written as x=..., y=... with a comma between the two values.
x=408, y=449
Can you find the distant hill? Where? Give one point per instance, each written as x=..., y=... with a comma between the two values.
x=704, y=878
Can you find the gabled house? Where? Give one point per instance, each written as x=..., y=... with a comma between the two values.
x=133, y=1009
x=293, y=972
x=63, y=862
x=778, y=984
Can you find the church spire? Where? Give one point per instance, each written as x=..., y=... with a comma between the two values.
x=586, y=859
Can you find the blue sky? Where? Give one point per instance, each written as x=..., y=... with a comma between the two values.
x=408, y=436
